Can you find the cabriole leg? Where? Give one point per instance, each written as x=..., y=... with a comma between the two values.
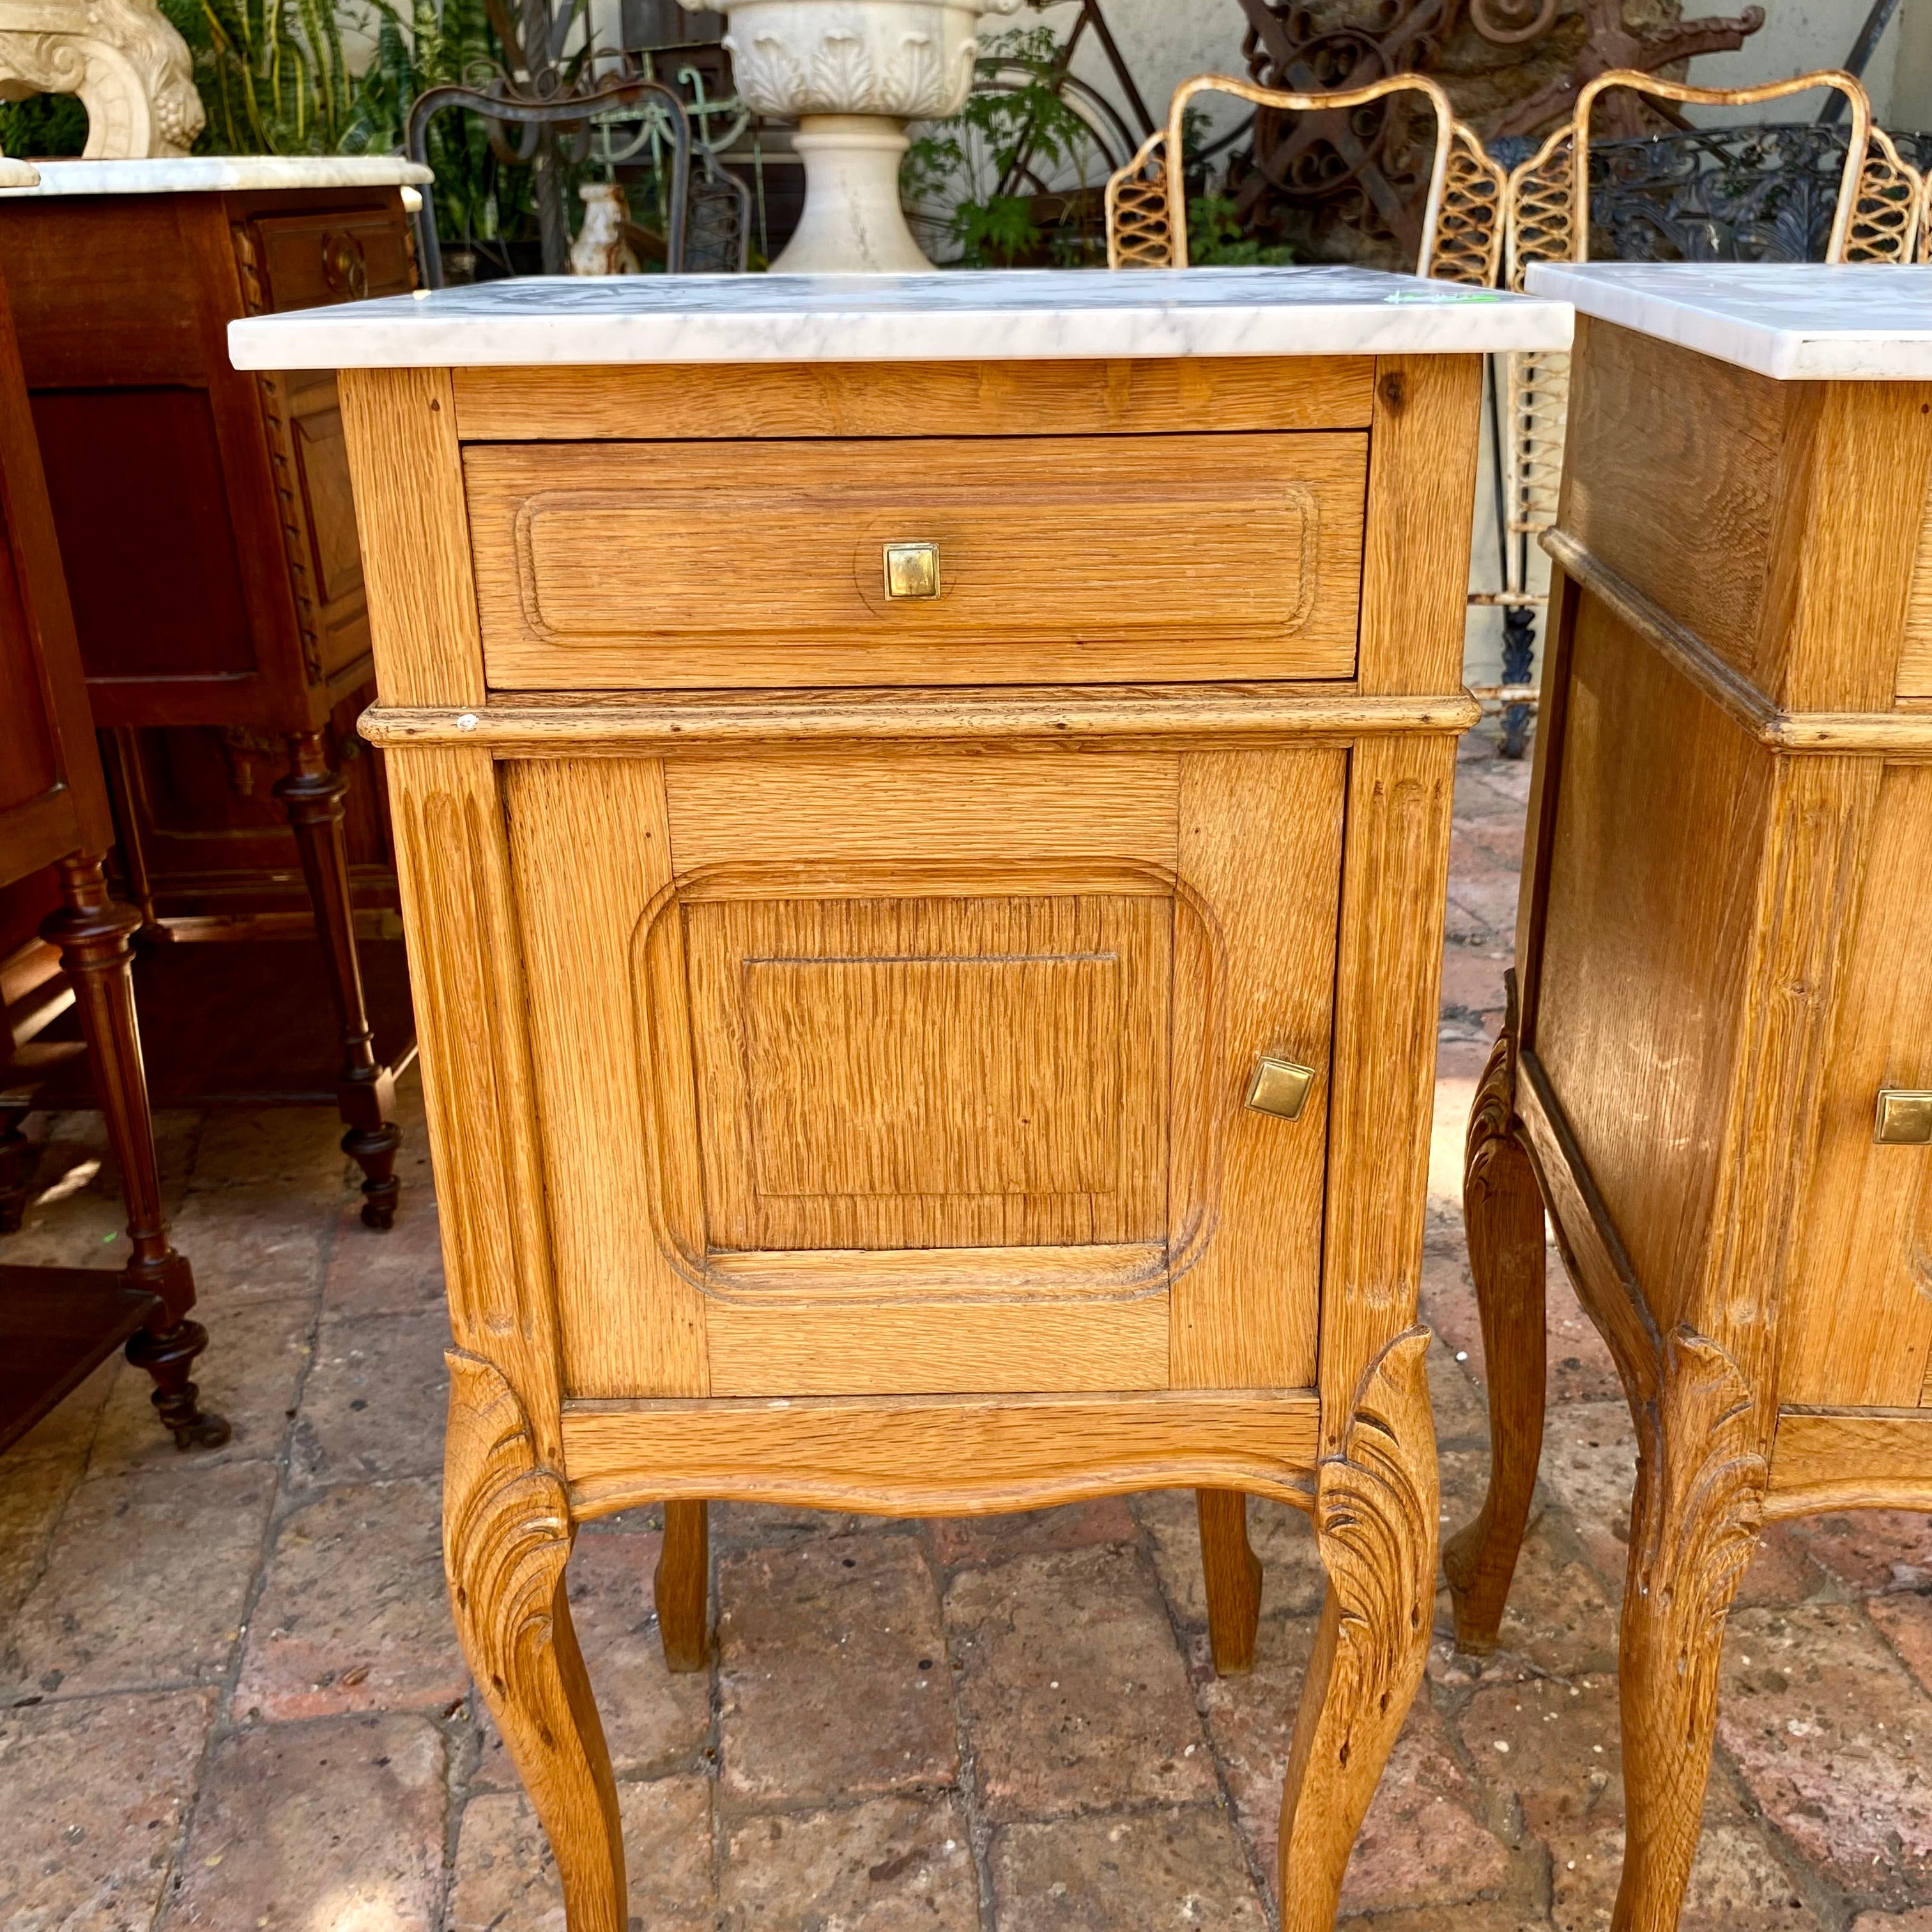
x=365, y=1093
x=1374, y=1518
x=507, y=1535
x=682, y=1586
x=1700, y=1486
x=1232, y=1573
x=1502, y=1209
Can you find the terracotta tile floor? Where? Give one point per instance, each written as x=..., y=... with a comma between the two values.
x=229, y=1697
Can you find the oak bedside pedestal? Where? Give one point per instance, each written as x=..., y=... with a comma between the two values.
x=1718, y=1066
x=924, y=877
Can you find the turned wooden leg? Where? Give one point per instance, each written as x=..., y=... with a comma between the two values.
x=91, y=930
x=507, y=1533
x=1502, y=1209
x=1700, y=1487
x=1233, y=1574
x=682, y=1587
x=366, y=1092
x=19, y=1159
x=1374, y=1518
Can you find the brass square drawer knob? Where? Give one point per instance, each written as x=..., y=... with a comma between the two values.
x=1280, y=1087
x=912, y=570
x=1904, y=1119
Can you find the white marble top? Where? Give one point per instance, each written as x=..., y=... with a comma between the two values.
x=1044, y=314
x=1866, y=321
x=203, y=174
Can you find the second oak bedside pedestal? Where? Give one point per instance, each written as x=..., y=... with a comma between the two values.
x=1720, y=1068
x=924, y=878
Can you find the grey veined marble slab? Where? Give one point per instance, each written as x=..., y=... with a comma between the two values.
x=1800, y=322
x=206, y=174
x=1020, y=315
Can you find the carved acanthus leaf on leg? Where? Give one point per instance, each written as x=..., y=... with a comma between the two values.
x=1375, y=1517
x=1701, y=1475
x=507, y=1536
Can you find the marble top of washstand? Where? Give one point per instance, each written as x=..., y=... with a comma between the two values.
x=206, y=174
x=1797, y=321
x=1002, y=315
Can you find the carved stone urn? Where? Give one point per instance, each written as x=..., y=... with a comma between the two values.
x=852, y=73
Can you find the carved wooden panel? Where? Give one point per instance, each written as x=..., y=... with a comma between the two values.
x=931, y=1072
x=599, y=566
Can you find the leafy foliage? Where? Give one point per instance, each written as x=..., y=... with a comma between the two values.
x=43, y=127
x=1216, y=240
x=960, y=174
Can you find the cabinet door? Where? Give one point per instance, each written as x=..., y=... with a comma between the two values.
x=897, y=1072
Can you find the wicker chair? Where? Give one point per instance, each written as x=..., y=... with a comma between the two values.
x=1461, y=225
x=1881, y=213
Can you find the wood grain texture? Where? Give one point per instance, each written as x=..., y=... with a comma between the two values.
x=1701, y=1479
x=946, y=1456
x=507, y=1534
x=1375, y=1521
x=590, y=846
x=900, y=399
x=1382, y=1103
x=1260, y=845
x=400, y=427
x=1030, y=560
x=681, y=1587
x=905, y=1073
x=558, y=725
x=466, y=972
x=1841, y=552
x=1646, y=935
x=934, y=1345
x=1673, y=475
x=1502, y=1211
x=1422, y=478
x=1856, y=1327
x=1848, y=1459
x=1914, y=663
x=937, y=808
x=1231, y=1574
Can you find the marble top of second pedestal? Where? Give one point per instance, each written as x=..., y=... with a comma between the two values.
x=1797, y=322
x=1016, y=315
x=210, y=174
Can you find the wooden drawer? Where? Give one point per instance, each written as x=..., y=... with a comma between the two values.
x=313, y=260
x=909, y=1073
x=656, y=565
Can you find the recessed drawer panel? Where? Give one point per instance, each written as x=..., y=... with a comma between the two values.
x=757, y=563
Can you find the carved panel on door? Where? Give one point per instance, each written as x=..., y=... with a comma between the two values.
x=931, y=1072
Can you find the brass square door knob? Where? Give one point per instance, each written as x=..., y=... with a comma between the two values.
x=912, y=571
x=1280, y=1087
x=1904, y=1119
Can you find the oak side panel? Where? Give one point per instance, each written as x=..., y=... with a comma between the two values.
x=1856, y=1327
x=1805, y=889
x=934, y=808
x=951, y=1455
x=1415, y=543
x=668, y=565
x=1842, y=549
x=1849, y=1460
x=905, y=399
x=1395, y=870
x=1673, y=473
x=1261, y=843
x=467, y=975
x=1914, y=663
x=937, y=1347
x=414, y=526
x=1661, y=804
x=591, y=850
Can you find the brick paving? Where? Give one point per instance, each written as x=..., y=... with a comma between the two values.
x=230, y=1697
